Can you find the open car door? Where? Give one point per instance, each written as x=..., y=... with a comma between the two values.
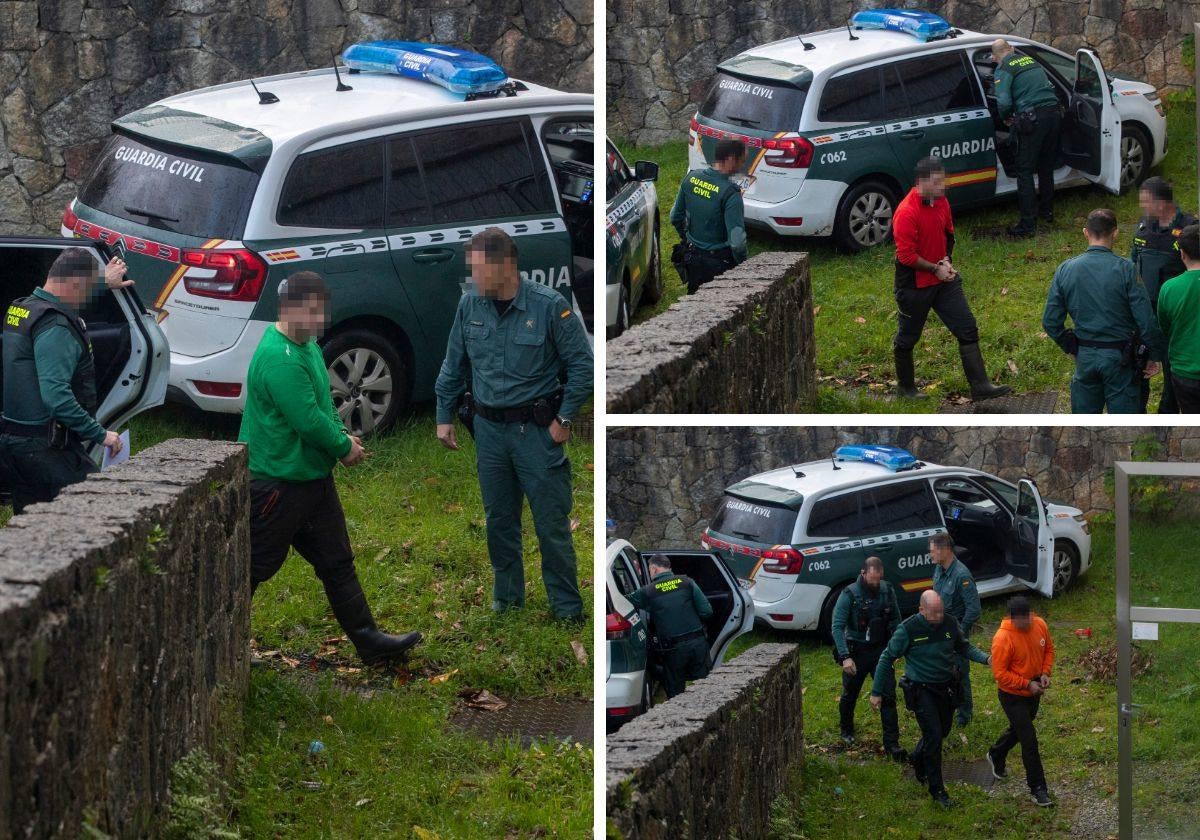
x=1030, y=553
x=1091, y=135
x=132, y=356
x=733, y=609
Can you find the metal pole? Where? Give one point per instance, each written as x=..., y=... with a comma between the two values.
x=1124, y=660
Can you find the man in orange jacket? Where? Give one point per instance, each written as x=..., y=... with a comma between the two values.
x=1022, y=655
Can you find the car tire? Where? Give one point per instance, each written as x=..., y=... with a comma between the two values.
x=365, y=369
x=859, y=223
x=1066, y=565
x=825, y=623
x=622, y=323
x=652, y=292
x=1137, y=151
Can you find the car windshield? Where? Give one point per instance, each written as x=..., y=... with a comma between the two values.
x=757, y=104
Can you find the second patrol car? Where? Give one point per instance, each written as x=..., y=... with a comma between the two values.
x=634, y=271
x=836, y=121
x=798, y=535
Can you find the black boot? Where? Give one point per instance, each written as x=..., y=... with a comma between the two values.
x=972, y=362
x=906, y=378
x=354, y=614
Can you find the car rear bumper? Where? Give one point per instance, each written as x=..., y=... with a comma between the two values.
x=623, y=691
x=816, y=203
x=800, y=609
x=227, y=366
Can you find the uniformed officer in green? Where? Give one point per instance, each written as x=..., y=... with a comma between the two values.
x=866, y=614
x=1026, y=100
x=677, y=610
x=953, y=581
x=1111, y=315
x=932, y=644
x=517, y=339
x=710, y=218
x=50, y=397
x=1155, y=255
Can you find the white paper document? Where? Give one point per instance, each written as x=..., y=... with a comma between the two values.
x=121, y=457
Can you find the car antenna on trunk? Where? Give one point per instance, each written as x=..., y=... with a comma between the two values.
x=341, y=86
x=807, y=46
x=265, y=97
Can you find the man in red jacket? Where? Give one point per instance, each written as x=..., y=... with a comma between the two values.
x=926, y=279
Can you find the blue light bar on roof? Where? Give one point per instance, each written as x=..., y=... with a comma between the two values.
x=924, y=26
x=890, y=457
x=459, y=71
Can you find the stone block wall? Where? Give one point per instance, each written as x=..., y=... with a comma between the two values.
x=125, y=615
x=709, y=352
x=664, y=484
x=708, y=763
x=69, y=67
x=662, y=56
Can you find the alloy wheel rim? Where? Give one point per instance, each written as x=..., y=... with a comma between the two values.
x=361, y=384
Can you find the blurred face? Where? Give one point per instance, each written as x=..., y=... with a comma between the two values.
x=933, y=610
x=941, y=554
x=1152, y=206
x=491, y=276
x=731, y=164
x=305, y=319
x=1021, y=622
x=78, y=290
x=872, y=576
x=933, y=187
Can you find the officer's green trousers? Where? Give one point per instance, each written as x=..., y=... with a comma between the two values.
x=1102, y=381
x=515, y=459
x=36, y=473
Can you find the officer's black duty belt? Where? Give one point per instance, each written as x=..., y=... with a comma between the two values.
x=517, y=414
x=695, y=634
x=23, y=429
x=1103, y=345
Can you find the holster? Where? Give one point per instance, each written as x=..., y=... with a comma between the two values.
x=58, y=436
x=1025, y=122
x=466, y=413
x=955, y=689
x=545, y=410
x=910, y=689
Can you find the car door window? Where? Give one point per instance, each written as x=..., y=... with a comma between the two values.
x=965, y=493
x=1005, y=492
x=1061, y=65
x=340, y=187
x=903, y=506
x=839, y=516
x=938, y=83
x=623, y=576
x=895, y=101
x=618, y=173
x=852, y=97
x=484, y=171
x=407, y=200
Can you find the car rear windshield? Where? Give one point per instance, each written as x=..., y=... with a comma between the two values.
x=754, y=521
x=756, y=104
x=171, y=188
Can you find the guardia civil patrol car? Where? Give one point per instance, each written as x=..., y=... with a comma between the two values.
x=798, y=535
x=375, y=174
x=836, y=121
x=629, y=683
x=633, y=274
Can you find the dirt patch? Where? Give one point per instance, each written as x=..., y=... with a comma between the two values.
x=1100, y=663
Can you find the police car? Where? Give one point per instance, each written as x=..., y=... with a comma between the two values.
x=374, y=174
x=836, y=121
x=629, y=686
x=798, y=535
x=633, y=274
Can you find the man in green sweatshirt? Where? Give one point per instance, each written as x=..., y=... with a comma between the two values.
x=1179, y=315
x=295, y=437
x=50, y=397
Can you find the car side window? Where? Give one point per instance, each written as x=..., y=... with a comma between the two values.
x=838, y=516
x=1061, y=65
x=407, y=201
x=339, y=187
x=965, y=493
x=618, y=172
x=903, y=506
x=895, y=101
x=1005, y=492
x=937, y=83
x=623, y=576
x=486, y=170
x=852, y=97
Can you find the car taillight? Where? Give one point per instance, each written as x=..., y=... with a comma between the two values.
x=788, y=152
x=239, y=274
x=218, y=389
x=788, y=221
x=693, y=131
x=783, y=561
x=616, y=626
x=69, y=219
x=621, y=711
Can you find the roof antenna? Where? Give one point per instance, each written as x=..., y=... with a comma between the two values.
x=850, y=32
x=833, y=460
x=341, y=86
x=265, y=97
x=807, y=46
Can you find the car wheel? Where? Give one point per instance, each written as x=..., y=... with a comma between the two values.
x=1066, y=565
x=368, y=381
x=622, y=323
x=653, y=290
x=864, y=217
x=825, y=624
x=1136, y=155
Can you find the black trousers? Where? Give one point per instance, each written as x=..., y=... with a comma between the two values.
x=685, y=660
x=947, y=300
x=1168, y=403
x=935, y=719
x=1037, y=154
x=35, y=472
x=1187, y=393
x=702, y=266
x=1020, y=712
x=865, y=660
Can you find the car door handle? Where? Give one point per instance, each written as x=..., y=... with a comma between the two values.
x=433, y=255
x=913, y=134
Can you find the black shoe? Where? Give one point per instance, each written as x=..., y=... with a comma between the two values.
x=354, y=615
x=848, y=739
x=1047, y=216
x=996, y=765
x=976, y=373
x=375, y=646
x=942, y=798
x=897, y=754
x=906, y=383
x=918, y=769
x=1041, y=797
x=1019, y=231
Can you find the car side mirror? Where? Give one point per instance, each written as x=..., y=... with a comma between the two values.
x=645, y=170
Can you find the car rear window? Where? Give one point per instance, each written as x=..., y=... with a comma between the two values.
x=171, y=188
x=754, y=521
x=759, y=104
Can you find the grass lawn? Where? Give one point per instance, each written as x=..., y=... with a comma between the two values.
x=1006, y=283
x=857, y=793
x=391, y=765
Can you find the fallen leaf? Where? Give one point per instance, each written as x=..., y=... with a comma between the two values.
x=328, y=719
x=1012, y=366
x=424, y=833
x=1004, y=290
x=1097, y=728
x=589, y=467
x=580, y=653
x=361, y=803
x=407, y=546
x=817, y=309
x=383, y=554
x=482, y=699
x=311, y=785
x=441, y=678
x=574, y=524
x=453, y=508
x=293, y=663
x=860, y=320
x=440, y=616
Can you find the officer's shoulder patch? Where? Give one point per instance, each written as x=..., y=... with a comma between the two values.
x=566, y=313
x=967, y=582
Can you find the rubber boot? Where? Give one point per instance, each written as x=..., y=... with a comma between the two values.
x=906, y=377
x=972, y=362
x=354, y=614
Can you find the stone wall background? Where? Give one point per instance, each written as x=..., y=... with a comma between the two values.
x=664, y=484
x=125, y=619
x=662, y=55
x=69, y=67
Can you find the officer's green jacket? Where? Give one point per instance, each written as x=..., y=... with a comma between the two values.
x=709, y=212
x=856, y=608
x=65, y=374
x=1155, y=251
x=516, y=359
x=1179, y=315
x=675, y=603
x=959, y=595
x=930, y=653
x=1106, y=302
x=1022, y=85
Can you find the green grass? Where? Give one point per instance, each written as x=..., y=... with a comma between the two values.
x=1076, y=725
x=1005, y=281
